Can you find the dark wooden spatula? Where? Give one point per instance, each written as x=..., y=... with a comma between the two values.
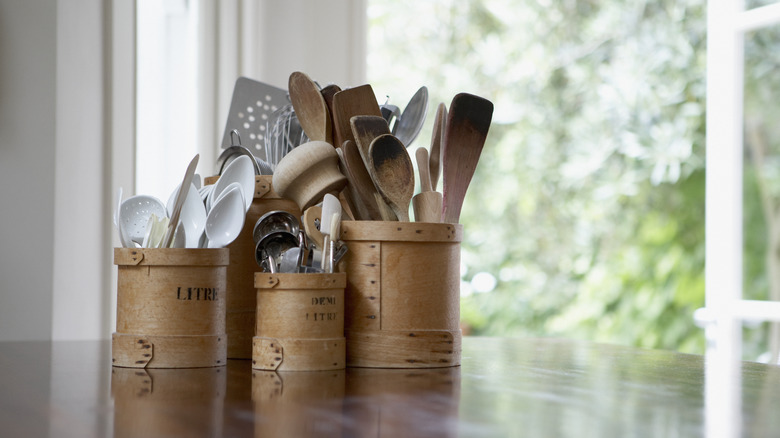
x=468, y=122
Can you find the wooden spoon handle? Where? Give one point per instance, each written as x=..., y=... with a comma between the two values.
x=437, y=138
x=422, y=166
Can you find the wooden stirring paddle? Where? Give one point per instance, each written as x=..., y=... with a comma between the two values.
x=310, y=107
x=467, y=127
x=393, y=174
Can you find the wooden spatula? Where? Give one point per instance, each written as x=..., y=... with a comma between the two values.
x=310, y=107
x=393, y=174
x=358, y=101
x=467, y=127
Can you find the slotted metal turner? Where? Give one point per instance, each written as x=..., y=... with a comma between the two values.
x=252, y=105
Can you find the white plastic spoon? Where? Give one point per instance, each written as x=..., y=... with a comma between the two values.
x=226, y=219
x=180, y=237
x=240, y=170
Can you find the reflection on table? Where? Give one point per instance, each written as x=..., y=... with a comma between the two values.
x=505, y=387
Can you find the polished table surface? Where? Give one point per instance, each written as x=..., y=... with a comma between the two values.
x=504, y=387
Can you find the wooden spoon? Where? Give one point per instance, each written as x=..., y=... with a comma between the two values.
x=427, y=203
x=439, y=125
x=467, y=127
x=360, y=181
x=350, y=195
x=310, y=107
x=365, y=129
x=358, y=101
x=393, y=174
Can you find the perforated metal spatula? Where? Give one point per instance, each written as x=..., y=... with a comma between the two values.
x=253, y=103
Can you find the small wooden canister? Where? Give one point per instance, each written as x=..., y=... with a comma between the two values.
x=300, y=322
x=241, y=304
x=170, y=308
x=403, y=294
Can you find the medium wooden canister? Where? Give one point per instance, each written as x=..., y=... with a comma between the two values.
x=300, y=322
x=241, y=299
x=403, y=294
x=170, y=308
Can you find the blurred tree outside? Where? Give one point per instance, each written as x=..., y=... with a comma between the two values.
x=585, y=218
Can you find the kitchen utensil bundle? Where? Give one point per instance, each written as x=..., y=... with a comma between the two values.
x=210, y=217
x=282, y=245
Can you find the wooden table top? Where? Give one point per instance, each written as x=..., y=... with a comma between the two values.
x=505, y=387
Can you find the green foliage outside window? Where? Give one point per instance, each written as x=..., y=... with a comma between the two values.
x=585, y=218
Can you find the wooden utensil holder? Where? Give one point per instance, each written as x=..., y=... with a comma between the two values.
x=300, y=322
x=170, y=308
x=402, y=300
x=241, y=294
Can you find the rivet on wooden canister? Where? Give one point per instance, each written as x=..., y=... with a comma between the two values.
x=300, y=322
x=170, y=308
x=403, y=294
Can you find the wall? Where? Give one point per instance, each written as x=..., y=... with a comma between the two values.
x=67, y=118
x=27, y=150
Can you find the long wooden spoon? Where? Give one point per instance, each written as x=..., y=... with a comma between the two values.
x=310, y=107
x=437, y=138
x=467, y=127
x=393, y=174
x=327, y=93
x=360, y=181
x=365, y=129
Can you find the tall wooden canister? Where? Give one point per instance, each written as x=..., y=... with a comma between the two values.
x=403, y=294
x=170, y=308
x=241, y=294
x=300, y=322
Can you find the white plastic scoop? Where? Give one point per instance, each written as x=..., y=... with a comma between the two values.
x=225, y=219
x=134, y=215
